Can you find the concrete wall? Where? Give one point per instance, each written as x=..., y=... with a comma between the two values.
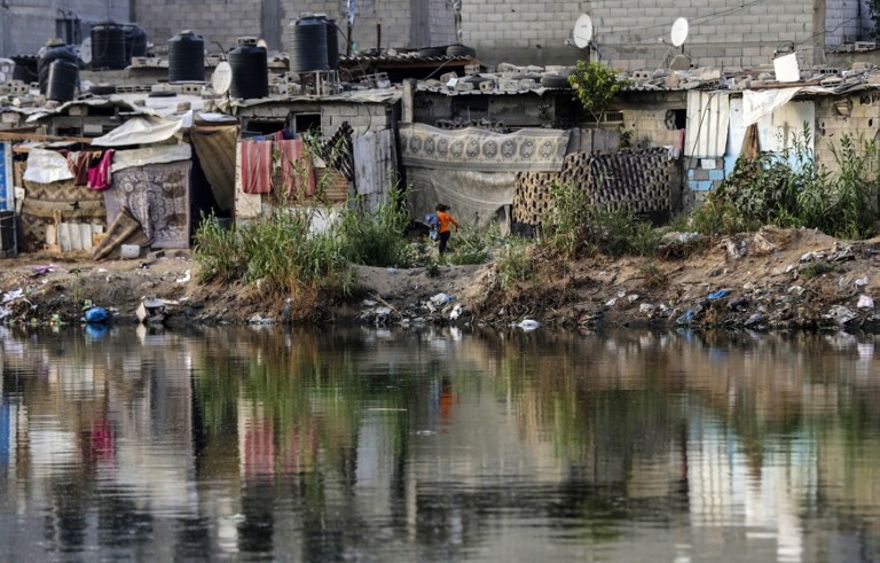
x=644, y=118
x=843, y=22
x=635, y=33
x=26, y=25
x=863, y=120
x=405, y=23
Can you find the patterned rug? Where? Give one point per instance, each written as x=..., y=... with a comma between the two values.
x=479, y=150
x=77, y=204
x=158, y=197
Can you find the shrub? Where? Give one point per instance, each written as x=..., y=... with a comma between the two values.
x=279, y=250
x=218, y=252
x=791, y=190
x=577, y=227
x=376, y=238
x=470, y=246
x=515, y=264
x=595, y=86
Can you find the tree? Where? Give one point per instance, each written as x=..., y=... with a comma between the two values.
x=595, y=86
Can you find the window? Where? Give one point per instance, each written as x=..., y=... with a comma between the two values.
x=304, y=122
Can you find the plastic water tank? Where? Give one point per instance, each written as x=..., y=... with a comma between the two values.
x=332, y=44
x=54, y=50
x=108, y=47
x=186, y=57
x=63, y=80
x=135, y=41
x=309, y=43
x=250, y=70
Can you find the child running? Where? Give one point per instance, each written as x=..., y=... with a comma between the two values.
x=444, y=218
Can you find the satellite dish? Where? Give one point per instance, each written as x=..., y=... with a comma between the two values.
x=222, y=78
x=262, y=43
x=85, y=50
x=583, y=31
x=679, y=32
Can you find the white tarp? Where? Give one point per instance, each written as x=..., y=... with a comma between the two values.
x=141, y=131
x=158, y=154
x=708, y=115
x=758, y=104
x=45, y=167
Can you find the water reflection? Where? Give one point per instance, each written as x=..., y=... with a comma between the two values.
x=439, y=445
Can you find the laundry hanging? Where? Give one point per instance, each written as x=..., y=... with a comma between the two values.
x=99, y=176
x=256, y=167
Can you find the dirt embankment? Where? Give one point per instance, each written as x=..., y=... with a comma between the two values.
x=772, y=279
x=775, y=279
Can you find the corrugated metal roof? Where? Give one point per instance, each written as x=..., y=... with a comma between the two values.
x=410, y=57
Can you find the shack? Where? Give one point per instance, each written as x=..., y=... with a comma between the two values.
x=344, y=144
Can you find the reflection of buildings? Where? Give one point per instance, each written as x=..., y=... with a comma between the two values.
x=428, y=446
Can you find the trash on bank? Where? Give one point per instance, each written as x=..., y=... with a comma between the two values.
x=151, y=311
x=97, y=315
x=441, y=299
x=13, y=295
x=720, y=294
x=686, y=318
x=841, y=315
x=529, y=325
x=865, y=302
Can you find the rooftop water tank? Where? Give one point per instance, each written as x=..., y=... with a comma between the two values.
x=108, y=47
x=309, y=44
x=186, y=57
x=250, y=70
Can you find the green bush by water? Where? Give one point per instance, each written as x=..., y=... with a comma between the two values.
x=792, y=190
x=578, y=228
x=278, y=250
x=376, y=238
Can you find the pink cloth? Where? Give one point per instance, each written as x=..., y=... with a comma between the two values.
x=256, y=167
x=297, y=173
x=99, y=176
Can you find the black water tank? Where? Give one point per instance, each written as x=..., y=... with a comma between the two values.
x=63, y=79
x=332, y=44
x=108, y=47
x=186, y=57
x=135, y=41
x=309, y=43
x=250, y=70
x=54, y=50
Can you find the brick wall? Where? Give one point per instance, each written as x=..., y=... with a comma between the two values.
x=635, y=33
x=26, y=25
x=405, y=23
x=520, y=30
x=221, y=21
x=842, y=22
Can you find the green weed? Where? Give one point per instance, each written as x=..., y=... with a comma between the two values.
x=515, y=264
x=819, y=268
x=792, y=190
x=576, y=227
x=376, y=238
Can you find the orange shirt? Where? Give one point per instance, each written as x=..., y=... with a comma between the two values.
x=444, y=219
